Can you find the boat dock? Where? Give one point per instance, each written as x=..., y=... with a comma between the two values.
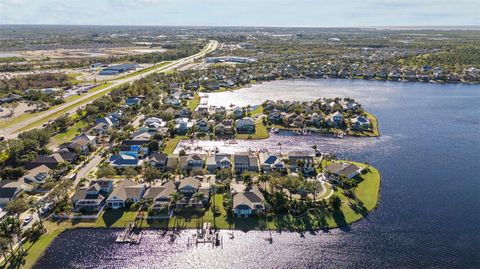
x=206, y=235
x=128, y=235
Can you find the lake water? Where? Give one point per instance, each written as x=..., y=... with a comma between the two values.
x=429, y=213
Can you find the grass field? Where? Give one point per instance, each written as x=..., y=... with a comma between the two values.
x=63, y=111
x=261, y=132
x=172, y=143
x=192, y=104
x=72, y=131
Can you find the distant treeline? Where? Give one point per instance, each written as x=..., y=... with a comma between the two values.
x=461, y=56
x=174, y=52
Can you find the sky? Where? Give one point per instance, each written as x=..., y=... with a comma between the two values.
x=308, y=13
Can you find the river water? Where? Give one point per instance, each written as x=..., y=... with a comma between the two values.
x=428, y=216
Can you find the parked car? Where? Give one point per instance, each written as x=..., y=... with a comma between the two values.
x=27, y=220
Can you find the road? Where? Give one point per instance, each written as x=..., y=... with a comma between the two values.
x=83, y=171
x=12, y=131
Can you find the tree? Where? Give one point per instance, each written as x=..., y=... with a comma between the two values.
x=151, y=173
x=4, y=246
x=9, y=173
x=264, y=178
x=18, y=205
x=313, y=187
x=247, y=180
x=199, y=196
x=153, y=146
x=130, y=172
x=335, y=202
x=106, y=171
x=11, y=108
x=176, y=197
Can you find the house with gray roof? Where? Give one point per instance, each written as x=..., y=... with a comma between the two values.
x=248, y=202
x=342, y=169
x=160, y=195
x=91, y=198
x=125, y=192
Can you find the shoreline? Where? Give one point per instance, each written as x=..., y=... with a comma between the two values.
x=367, y=192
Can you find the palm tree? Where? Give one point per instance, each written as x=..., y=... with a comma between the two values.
x=247, y=180
x=4, y=245
x=176, y=197
x=264, y=178
x=198, y=196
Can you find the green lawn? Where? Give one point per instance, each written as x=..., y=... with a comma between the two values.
x=36, y=249
x=192, y=104
x=261, y=132
x=72, y=131
x=172, y=143
x=258, y=110
x=374, y=132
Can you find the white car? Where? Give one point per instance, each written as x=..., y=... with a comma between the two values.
x=27, y=220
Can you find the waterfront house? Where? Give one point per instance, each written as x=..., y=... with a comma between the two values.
x=188, y=186
x=183, y=125
x=245, y=125
x=224, y=128
x=220, y=112
x=92, y=198
x=202, y=126
x=210, y=164
x=241, y=163
x=223, y=161
x=160, y=196
x=249, y=202
x=335, y=119
x=237, y=112
x=315, y=119
x=302, y=161
x=123, y=193
x=360, y=123
x=342, y=169
x=271, y=162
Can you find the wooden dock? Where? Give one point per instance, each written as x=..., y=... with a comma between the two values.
x=128, y=235
x=206, y=235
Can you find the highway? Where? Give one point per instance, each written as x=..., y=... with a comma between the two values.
x=12, y=131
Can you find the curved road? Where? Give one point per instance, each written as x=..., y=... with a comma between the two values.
x=12, y=131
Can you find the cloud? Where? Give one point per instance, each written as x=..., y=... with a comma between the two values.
x=242, y=12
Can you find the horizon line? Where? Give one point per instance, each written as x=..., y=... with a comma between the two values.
x=436, y=27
